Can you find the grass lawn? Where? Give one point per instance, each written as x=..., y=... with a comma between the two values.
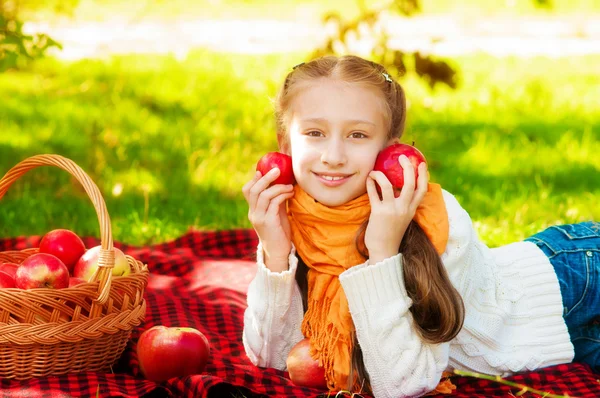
x=171, y=143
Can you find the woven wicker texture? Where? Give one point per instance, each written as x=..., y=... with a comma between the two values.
x=83, y=328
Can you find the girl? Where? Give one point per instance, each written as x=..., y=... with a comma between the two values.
x=392, y=291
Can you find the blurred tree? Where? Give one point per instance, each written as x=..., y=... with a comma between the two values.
x=543, y=3
x=17, y=49
x=397, y=62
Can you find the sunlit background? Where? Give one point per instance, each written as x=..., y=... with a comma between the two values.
x=167, y=104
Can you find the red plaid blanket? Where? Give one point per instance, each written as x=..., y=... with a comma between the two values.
x=200, y=280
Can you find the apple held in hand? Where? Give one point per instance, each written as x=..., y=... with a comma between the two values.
x=42, y=270
x=9, y=268
x=87, y=264
x=6, y=281
x=387, y=162
x=167, y=352
x=65, y=245
x=303, y=369
x=278, y=160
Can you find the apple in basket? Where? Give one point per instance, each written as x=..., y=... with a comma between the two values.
x=6, y=280
x=278, y=160
x=65, y=245
x=74, y=281
x=42, y=270
x=87, y=264
x=387, y=162
x=167, y=352
x=303, y=369
x=9, y=268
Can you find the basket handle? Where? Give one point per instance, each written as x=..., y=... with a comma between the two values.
x=106, y=260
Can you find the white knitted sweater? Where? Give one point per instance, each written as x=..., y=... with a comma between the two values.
x=513, y=320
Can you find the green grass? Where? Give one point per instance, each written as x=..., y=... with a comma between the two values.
x=517, y=143
x=101, y=10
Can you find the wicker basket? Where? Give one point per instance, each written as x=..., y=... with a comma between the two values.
x=83, y=328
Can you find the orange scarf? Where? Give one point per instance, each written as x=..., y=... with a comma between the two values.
x=325, y=239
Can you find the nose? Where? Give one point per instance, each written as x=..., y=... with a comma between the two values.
x=334, y=153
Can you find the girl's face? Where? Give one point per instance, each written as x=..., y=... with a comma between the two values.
x=336, y=130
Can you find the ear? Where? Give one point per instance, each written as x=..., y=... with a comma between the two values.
x=284, y=143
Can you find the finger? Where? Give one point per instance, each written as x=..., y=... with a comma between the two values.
x=387, y=190
x=258, y=213
x=276, y=202
x=421, y=185
x=268, y=195
x=247, y=186
x=372, y=191
x=262, y=184
x=408, y=190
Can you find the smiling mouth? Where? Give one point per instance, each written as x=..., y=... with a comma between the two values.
x=333, y=179
x=328, y=178
x=340, y=176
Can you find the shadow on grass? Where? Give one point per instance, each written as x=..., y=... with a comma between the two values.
x=47, y=198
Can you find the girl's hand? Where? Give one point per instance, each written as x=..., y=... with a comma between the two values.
x=267, y=213
x=390, y=216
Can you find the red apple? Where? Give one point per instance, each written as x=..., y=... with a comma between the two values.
x=87, y=264
x=167, y=352
x=387, y=162
x=303, y=369
x=9, y=268
x=74, y=281
x=277, y=160
x=6, y=280
x=42, y=270
x=65, y=245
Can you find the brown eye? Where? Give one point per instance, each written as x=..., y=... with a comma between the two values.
x=313, y=133
x=358, y=135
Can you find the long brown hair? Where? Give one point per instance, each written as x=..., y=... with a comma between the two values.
x=437, y=309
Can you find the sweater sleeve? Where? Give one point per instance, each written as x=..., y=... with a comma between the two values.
x=464, y=248
x=273, y=318
x=398, y=362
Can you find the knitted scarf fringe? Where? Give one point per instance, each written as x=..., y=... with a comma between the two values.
x=324, y=337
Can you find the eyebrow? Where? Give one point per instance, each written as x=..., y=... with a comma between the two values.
x=323, y=120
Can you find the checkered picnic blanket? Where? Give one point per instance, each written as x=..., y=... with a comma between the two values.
x=200, y=281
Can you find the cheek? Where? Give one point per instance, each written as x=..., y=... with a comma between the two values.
x=367, y=157
x=298, y=160
x=303, y=156
x=296, y=168
x=301, y=163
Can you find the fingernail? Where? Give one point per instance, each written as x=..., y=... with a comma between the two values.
x=274, y=170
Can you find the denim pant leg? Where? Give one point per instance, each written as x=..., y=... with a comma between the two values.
x=574, y=252
x=586, y=341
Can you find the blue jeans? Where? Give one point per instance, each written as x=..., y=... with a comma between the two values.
x=574, y=251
